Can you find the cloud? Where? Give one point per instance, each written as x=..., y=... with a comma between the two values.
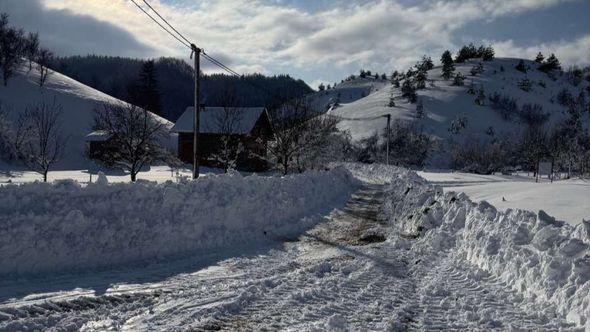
x=270, y=36
x=66, y=32
x=569, y=52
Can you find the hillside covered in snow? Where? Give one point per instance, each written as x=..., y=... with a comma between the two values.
x=443, y=102
x=77, y=101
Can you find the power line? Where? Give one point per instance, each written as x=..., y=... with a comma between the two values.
x=187, y=43
x=165, y=21
x=161, y=26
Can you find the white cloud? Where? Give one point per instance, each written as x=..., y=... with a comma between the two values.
x=569, y=52
x=264, y=36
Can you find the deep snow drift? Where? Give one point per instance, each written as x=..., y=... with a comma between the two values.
x=63, y=226
x=544, y=260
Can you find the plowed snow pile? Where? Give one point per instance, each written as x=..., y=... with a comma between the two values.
x=544, y=260
x=62, y=226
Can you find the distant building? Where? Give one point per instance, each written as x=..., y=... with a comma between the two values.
x=250, y=125
x=96, y=143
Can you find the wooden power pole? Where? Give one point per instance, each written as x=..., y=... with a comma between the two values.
x=388, y=116
x=196, y=124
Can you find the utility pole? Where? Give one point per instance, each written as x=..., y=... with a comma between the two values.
x=196, y=52
x=388, y=116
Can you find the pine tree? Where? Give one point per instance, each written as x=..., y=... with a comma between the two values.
x=488, y=53
x=147, y=95
x=459, y=80
x=466, y=52
x=425, y=64
x=448, y=67
x=391, y=100
x=552, y=63
x=409, y=91
x=421, y=77
x=521, y=66
x=540, y=58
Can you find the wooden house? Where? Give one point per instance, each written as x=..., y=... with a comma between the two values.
x=249, y=125
x=97, y=142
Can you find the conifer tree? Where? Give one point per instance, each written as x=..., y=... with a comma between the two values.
x=421, y=77
x=147, y=95
x=540, y=58
x=448, y=67
x=409, y=91
x=552, y=63
x=521, y=66
x=459, y=80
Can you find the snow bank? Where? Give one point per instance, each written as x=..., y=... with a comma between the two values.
x=544, y=260
x=64, y=226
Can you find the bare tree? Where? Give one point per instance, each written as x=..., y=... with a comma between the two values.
x=135, y=137
x=31, y=48
x=6, y=135
x=38, y=139
x=228, y=123
x=43, y=60
x=319, y=143
x=300, y=134
x=289, y=123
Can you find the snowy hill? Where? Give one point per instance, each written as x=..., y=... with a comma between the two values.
x=346, y=92
x=443, y=102
x=77, y=100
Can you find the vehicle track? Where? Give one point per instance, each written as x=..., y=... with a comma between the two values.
x=346, y=273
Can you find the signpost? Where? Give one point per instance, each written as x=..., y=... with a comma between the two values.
x=545, y=168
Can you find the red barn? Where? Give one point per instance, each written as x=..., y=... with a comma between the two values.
x=249, y=125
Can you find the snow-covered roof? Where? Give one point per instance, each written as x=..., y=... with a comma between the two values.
x=98, y=136
x=210, y=116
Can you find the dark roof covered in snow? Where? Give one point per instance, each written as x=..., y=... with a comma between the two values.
x=210, y=116
x=98, y=136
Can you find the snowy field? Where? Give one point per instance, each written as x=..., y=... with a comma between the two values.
x=400, y=255
x=567, y=200
x=159, y=174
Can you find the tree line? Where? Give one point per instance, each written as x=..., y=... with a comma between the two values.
x=17, y=46
x=118, y=76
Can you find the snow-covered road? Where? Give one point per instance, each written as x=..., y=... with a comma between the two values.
x=344, y=274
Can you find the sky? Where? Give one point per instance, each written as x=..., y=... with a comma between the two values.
x=315, y=40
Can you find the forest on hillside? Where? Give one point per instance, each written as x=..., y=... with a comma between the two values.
x=117, y=76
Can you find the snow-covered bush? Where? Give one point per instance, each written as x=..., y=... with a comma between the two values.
x=64, y=226
x=7, y=152
x=483, y=156
x=532, y=115
x=505, y=105
x=525, y=84
x=409, y=146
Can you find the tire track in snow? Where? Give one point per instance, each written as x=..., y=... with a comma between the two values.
x=457, y=296
x=338, y=275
